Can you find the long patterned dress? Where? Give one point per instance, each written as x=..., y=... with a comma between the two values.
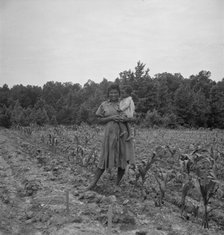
x=116, y=151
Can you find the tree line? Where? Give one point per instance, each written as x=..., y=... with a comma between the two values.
x=167, y=100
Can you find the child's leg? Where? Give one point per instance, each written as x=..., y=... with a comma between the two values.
x=122, y=132
x=130, y=132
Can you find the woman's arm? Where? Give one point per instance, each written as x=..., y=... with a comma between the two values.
x=128, y=119
x=104, y=120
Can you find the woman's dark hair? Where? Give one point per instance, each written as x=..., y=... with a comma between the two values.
x=113, y=86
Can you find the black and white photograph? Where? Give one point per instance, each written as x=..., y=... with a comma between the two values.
x=111, y=117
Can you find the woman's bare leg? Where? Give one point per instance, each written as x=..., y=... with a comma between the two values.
x=120, y=174
x=97, y=176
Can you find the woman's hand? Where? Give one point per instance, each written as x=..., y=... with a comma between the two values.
x=120, y=118
x=127, y=119
x=116, y=118
x=103, y=120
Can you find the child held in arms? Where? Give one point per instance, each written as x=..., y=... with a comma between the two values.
x=127, y=108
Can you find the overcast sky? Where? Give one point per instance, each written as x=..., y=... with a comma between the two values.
x=77, y=40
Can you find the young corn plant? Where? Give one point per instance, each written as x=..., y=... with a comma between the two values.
x=90, y=159
x=187, y=163
x=162, y=178
x=202, y=164
x=84, y=157
x=52, y=142
x=187, y=186
x=27, y=131
x=142, y=170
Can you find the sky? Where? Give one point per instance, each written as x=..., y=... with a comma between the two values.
x=77, y=40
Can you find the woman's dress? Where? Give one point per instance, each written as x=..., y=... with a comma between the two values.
x=116, y=151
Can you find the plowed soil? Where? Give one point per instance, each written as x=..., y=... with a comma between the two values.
x=41, y=193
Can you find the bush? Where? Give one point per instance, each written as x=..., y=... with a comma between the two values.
x=170, y=120
x=139, y=119
x=5, y=119
x=153, y=119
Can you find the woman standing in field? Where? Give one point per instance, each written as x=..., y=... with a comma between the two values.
x=116, y=151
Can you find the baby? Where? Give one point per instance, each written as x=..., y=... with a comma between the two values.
x=127, y=108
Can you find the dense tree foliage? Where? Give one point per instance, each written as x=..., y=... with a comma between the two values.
x=166, y=99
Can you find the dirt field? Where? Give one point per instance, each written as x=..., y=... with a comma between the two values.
x=43, y=172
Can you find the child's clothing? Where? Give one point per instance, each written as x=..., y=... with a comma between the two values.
x=127, y=108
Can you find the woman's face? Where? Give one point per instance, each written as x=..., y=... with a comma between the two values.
x=114, y=95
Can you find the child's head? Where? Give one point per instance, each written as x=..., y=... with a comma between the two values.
x=126, y=91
